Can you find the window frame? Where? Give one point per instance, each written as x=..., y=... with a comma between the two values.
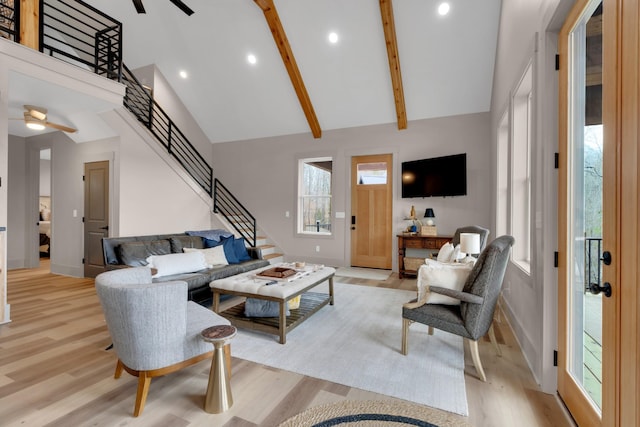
x=520, y=191
x=300, y=231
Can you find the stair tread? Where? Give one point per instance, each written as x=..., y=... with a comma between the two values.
x=266, y=246
x=270, y=256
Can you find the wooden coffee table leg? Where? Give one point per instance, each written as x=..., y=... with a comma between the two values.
x=216, y=302
x=331, y=290
x=282, y=324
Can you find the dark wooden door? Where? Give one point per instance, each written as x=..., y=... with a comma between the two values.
x=96, y=215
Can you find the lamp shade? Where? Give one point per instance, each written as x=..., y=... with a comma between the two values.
x=470, y=243
x=429, y=213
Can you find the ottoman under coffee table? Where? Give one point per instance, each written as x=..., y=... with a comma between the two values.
x=251, y=286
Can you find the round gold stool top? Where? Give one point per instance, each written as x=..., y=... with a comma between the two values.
x=219, y=333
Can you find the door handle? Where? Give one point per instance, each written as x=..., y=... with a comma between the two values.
x=606, y=258
x=595, y=289
x=106, y=227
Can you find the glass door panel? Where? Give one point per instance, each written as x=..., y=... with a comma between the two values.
x=580, y=375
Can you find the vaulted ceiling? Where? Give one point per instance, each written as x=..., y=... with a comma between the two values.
x=446, y=62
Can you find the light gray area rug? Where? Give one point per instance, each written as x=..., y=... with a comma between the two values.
x=356, y=342
x=363, y=273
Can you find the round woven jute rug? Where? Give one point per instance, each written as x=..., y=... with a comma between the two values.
x=369, y=413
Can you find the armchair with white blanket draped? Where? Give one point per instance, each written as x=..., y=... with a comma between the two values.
x=469, y=311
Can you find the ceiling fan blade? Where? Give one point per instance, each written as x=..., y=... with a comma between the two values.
x=60, y=127
x=139, y=6
x=183, y=7
x=39, y=113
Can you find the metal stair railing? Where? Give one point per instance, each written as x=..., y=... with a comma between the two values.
x=148, y=112
x=238, y=216
x=10, y=19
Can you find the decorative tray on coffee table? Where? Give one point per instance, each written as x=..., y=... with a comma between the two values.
x=277, y=272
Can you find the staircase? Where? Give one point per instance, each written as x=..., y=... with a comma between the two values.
x=269, y=251
x=81, y=35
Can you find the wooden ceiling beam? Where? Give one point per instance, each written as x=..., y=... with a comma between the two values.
x=279, y=36
x=388, y=23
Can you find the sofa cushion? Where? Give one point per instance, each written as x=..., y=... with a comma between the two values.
x=187, y=262
x=180, y=242
x=213, y=256
x=135, y=254
x=203, y=277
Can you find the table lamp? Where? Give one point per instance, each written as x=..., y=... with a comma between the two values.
x=469, y=244
x=429, y=214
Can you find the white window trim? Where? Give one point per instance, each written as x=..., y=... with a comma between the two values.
x=299, y=197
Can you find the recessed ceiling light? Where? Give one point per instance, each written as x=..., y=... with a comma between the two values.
x=444, y=8
x=251, y=58
x=333, y=38
x=184, y=74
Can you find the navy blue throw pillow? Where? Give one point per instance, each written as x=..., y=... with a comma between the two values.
x=209, y=243
x=229, y=250
x=241, y=250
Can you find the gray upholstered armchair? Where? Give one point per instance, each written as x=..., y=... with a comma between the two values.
x=155, y=330
x=483, y=232
x=473, y=318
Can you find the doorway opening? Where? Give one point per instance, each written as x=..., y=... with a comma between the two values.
x=45, y=236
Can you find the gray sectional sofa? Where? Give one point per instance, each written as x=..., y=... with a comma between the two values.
x=122, y=252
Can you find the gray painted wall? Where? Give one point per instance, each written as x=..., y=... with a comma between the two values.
x=147, y=196
x=528, y=33
x=16, y=203
x=262, y=173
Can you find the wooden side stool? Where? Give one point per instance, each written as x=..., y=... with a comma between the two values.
x=219, y=397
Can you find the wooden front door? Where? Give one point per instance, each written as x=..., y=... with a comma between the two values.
x=96, y=215
x=371, y=211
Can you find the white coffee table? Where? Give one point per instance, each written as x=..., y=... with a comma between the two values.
x=247, y=285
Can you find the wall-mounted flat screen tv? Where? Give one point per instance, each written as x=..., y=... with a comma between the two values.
x=435, y=177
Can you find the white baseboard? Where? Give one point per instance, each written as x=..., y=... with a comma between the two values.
x=67, y=270
x=527, y=347
x=7, y=314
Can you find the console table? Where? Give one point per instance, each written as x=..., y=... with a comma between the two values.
x=416, y=241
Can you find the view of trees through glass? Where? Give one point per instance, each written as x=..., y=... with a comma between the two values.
x=593, y=180
x=315, y=196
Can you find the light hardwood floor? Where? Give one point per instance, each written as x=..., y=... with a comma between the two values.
x=55, y=371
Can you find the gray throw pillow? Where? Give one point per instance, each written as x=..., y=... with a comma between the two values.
x=254, y=307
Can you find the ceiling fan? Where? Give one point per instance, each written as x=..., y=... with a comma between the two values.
x=183, y=7
x=36, y=118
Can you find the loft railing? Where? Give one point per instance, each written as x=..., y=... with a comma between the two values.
x=139, y=101
x=10, y=19
x=592, y=262
x=238, y=216
x=82, y=35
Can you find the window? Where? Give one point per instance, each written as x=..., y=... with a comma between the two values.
x=372, y=173
x=314, y=196
x=522, y=116
x=502, y=176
